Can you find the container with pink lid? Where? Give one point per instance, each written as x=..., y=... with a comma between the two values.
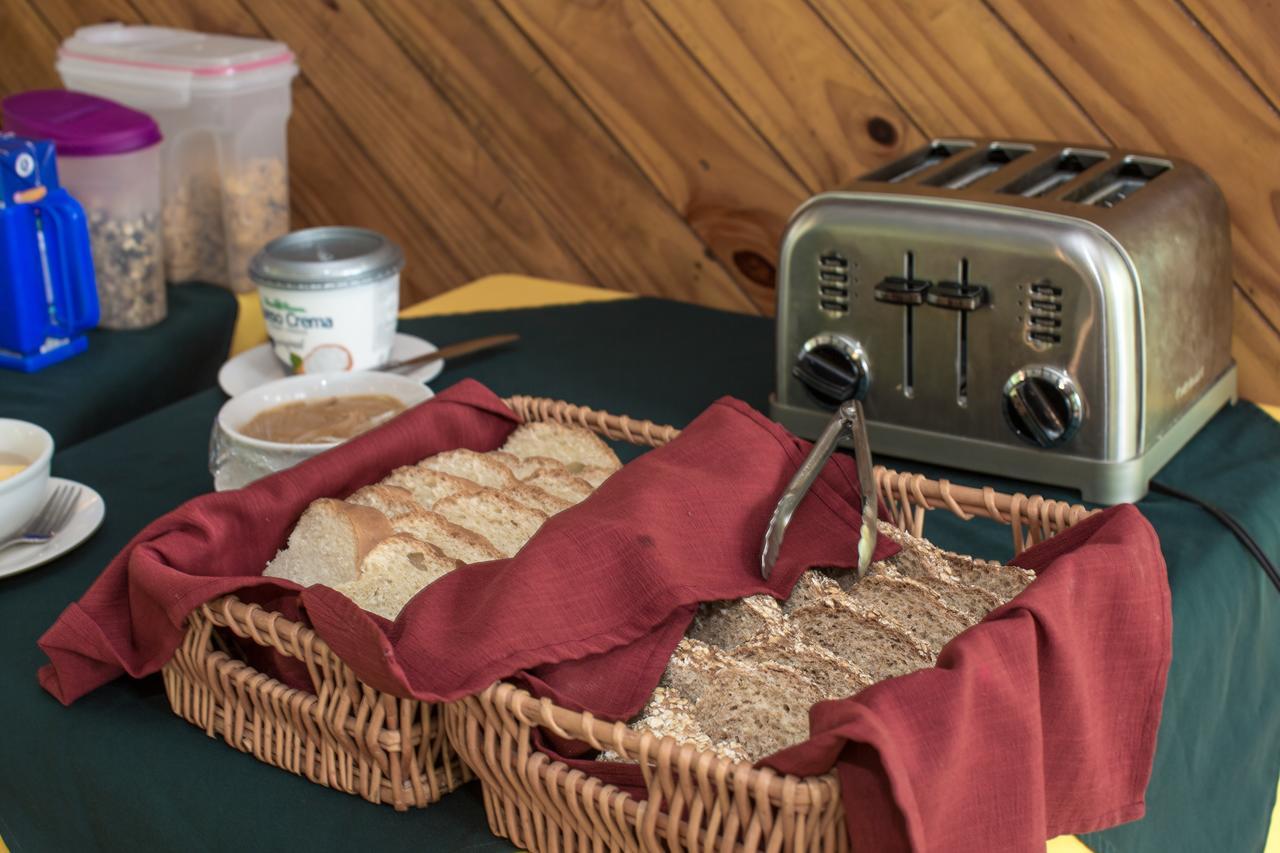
x=222, y=103
x=108, y=158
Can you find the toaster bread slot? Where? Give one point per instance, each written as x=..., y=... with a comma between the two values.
x=918, y=161
x=1046, y=177
x=1117, y=184
x=974, y=168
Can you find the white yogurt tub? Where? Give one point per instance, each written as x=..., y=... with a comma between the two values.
x=329, y=298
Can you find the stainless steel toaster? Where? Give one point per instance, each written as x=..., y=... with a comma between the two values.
x=1035, y=310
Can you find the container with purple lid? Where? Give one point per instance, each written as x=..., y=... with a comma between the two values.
x=109, y=160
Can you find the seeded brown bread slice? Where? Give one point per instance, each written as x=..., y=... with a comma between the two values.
x=503, y=521
x=835, y=678
x=872, y=644
x=728, y=624
x=668, y=714
x=458, y=543
x=391, y=501
x=972, y=602
x=532, y=496
x=473, y=466
x=427, y=486
x=576, y=447
x=920, y=558
x=812, y=587
x=329, y=542
x=562, y=484
x=691, y=664
x=764, y=706
x=907, y=602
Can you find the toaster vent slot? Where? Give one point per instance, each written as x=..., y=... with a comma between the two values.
x=833, y=283
x=1044, y=315
x=1117, y=184
x=918, y=161
x=1048, y=176
x=972, y=169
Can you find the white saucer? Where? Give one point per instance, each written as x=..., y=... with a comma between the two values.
x=259, y=365
x=87, y=516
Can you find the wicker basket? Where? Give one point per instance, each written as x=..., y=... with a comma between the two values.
x=695, y=800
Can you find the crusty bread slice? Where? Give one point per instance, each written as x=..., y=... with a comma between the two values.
x=427, y=486
x=872, y=644
x=973, y=602
x=667, y=714
x=532, y=496
x=920, y=558
x=576, y=447
x=477, y=467
x=394, y=572
x=907, y=602
x=562, y=484
x=329, y=542
x=498, y=518
x=690, y=665
x=458, y=543
x=810, y=588
x=728, y=624
x=835, y=678
x=391, y=501
x=764, y=706
x=595, y=475
x=529, y=466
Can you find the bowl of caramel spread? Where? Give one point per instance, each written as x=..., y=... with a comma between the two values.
x=277, y=425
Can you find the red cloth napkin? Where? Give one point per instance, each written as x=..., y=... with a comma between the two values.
x=589, y=611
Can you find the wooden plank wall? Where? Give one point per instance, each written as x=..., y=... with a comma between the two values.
x=658, y=146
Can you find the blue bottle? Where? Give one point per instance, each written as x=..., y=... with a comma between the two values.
x=48, y=296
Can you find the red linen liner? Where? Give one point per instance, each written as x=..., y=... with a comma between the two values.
x=1068, y=678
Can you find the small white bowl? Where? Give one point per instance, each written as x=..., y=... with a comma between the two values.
x=236, y=459
x=22, y=495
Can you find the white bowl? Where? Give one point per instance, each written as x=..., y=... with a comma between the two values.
x=22, y=495
x=236, y=459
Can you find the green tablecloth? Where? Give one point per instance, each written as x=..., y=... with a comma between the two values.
x=124, y=375
x=119, y=770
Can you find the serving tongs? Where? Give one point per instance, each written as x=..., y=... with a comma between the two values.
x=848, y=420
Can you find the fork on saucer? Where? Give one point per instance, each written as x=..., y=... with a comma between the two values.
x=53, y=516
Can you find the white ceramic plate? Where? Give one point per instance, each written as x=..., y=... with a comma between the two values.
x=259, y=365
x=88, y=514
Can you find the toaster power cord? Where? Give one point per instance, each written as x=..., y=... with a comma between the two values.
x=1268, y=567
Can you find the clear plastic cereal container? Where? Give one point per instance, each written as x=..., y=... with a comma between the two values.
x=223, y=105
x=108, y=159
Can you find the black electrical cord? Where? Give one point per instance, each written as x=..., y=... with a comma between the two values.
x=1231, y=524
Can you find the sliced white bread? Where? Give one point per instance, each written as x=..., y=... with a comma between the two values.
x=328, y=543
x=576, y=447
x=468, y=464
x=394, y=572
x=505, y=522
x=458, y=543
x=427, y=486
x=872, y=644
x=595, y=475
x=562, y=484
x=532, y=496
x=401, y=552
x=728, y=624
x=391, y=501
x=528, y=466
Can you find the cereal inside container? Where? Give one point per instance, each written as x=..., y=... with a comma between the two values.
x=223, y=104
x=109, y=161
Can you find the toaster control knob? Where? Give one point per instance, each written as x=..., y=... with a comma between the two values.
x=1042, y=405
x=832, y=368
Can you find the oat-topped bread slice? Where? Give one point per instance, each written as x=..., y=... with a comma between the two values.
x=810, y=588
x=691, y=664
x=921, y=558
x=539, y=499
x=764, y=706
x=469, y=465
x=576, y=447
x=834, y=677
x=907, y=602
x=562, y=484
x=667, y=714
x=458, y=543
x=391, y=501
x=427, y=486
x=972, y=602
x=727, y=624
x=393, y=573
x=505, y=522
x=328, y=543
x=872, y=644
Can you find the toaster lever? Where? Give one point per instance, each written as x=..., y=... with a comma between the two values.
x=957, y=295
x=902, y=291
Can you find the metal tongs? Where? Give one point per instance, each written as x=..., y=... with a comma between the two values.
x=847, y=419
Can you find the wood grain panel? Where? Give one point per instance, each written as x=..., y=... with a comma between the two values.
x=550, y=146
x=811, y=99
x=957, y=70
x=700, y=152
x=1249, y=31
x=27, y=49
